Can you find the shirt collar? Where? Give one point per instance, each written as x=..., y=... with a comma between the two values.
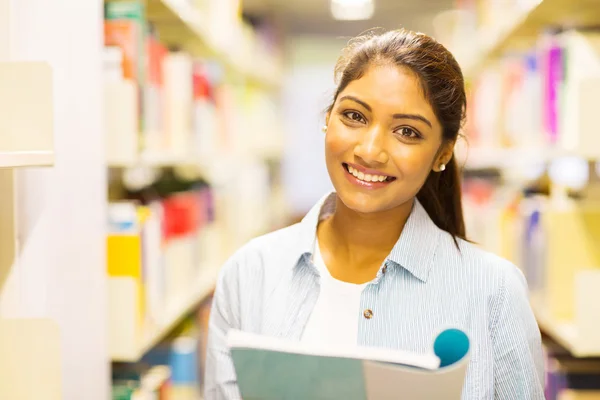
x=416, y=246
x=310, y=222
x=414, y=250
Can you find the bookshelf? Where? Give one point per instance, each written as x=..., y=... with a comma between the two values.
x=26, y=140
x=25, y=91
x=532, y=77
x=521, y=26
x=125, y=348
x=199, y=104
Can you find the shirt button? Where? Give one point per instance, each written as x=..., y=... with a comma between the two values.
x=368, y=314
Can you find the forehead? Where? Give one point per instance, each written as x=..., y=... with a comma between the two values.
x=390, y=87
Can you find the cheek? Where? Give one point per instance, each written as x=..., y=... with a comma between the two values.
x=414, y=161
x=337, y=141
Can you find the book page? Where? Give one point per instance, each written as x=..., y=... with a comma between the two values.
x=385, y=381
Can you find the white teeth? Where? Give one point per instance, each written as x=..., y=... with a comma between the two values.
x=366, y=177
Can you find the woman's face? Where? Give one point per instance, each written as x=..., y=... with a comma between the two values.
x=382, y=140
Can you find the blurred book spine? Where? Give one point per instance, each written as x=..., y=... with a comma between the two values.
x=154, y=96
x=177, y=69
x=125, y=26
x=569, y=378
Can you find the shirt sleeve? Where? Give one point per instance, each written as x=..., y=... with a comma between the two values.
x=518, y=355
x=220, y=379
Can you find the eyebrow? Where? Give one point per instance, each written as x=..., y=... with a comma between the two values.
x=357, y=100
x=415, y=117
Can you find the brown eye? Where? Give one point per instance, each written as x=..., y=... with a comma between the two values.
x=408, y=133
x=354, y=116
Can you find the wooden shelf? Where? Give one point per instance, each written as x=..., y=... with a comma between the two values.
x=26, y=159
x=524, y=29
x=180, y=309
x=565, y=334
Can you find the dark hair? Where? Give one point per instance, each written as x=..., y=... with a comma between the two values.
x=443, y=86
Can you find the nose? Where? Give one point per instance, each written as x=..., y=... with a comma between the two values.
x=371, y=147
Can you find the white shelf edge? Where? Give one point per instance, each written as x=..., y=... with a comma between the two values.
x=204, y=286
x=503, y=158
x=158, y=160
x=16, y=159
x=564, y=333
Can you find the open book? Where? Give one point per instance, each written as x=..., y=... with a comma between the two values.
x=272, y=368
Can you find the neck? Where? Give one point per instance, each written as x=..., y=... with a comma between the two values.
x=363, y=240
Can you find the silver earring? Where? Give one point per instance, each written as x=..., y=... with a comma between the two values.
x=324, y=128
x=442, y=167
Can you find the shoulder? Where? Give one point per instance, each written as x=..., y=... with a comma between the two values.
x=484, y=281
x=480, y=269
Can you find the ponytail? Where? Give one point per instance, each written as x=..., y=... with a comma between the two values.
x=441, y=198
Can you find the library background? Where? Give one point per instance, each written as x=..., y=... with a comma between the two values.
x=142, y=142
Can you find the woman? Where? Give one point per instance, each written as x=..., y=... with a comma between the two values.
x=384, y=260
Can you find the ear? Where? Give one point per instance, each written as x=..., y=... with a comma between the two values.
x=324, y=128
x=445, y=154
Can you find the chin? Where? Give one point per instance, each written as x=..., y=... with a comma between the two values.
x=367, y=203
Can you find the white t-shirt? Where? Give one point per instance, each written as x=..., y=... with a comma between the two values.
x=334, y=320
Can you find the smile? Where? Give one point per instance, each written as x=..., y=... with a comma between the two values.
x=367, y=178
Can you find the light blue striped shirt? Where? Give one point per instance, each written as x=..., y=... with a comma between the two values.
x=270, y=286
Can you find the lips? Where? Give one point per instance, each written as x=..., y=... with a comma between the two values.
x=367, y=177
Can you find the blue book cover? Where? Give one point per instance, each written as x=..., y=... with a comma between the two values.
x=271, y=368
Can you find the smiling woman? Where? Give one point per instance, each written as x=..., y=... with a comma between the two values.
x=383, y=261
